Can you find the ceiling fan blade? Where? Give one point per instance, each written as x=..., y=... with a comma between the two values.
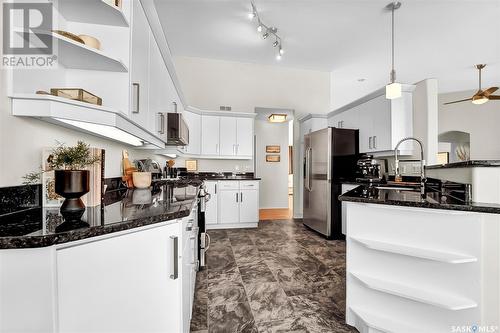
x=492, y=97
x=490, y=91
x=460, y=101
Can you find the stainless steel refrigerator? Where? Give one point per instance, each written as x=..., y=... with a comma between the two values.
x=330, y=157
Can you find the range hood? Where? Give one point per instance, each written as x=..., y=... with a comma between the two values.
x=176, y=129
x=84, y=117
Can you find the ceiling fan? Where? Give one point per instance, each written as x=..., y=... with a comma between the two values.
x=481, y=96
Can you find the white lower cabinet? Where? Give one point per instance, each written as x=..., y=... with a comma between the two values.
x=211, y=216
x=141, y=281
x=249, y=206
x=235, y=204
x=126, y=283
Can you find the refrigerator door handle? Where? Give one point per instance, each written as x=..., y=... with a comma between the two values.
x=309, y=169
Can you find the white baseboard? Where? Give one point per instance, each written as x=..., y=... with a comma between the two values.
x=231, y=225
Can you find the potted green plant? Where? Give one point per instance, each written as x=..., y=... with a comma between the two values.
x=71, y=180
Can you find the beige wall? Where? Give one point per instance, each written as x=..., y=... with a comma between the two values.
x=481, y=121
x=274, y=184
x=208, y=84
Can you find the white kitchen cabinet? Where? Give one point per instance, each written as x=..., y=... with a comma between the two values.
x=210, y=135
x=244, y=139
x=236, y=136
x=381, y=122
x=159, y=88
x=193, y=121
x=141, y=35
x=237, y=204
x=211, y=216
x=228, y=137
x=229, y=206
x=249, y=206
x=125, y=283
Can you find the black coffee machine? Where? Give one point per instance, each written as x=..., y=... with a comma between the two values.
x=371, y=170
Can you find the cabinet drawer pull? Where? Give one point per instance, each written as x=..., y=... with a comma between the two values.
x=236, y=197
x=135, y=97
x=175, y=262
x=241, y=196
x=370, y=143
x=161, y=130
x=375, y=142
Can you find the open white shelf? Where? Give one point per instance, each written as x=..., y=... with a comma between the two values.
x=435, y=255
x=76, y=55
x=92, y=11
x=383, y=323
x=427, y=296
x=84, y=117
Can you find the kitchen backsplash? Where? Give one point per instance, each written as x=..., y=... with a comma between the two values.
x=15, y=198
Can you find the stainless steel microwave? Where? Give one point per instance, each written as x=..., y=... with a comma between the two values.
x=177, y=130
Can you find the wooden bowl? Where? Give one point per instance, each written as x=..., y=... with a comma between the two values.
x=91, y=41
x=141, y=179
x=69, y=35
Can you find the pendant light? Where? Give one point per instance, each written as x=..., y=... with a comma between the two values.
x=393, y=89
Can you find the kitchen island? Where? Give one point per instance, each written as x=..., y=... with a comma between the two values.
x=129, y=265
x=420, y=264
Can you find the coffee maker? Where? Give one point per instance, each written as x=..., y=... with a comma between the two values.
x=371, y=170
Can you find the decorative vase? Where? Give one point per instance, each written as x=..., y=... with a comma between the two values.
x=71, y=185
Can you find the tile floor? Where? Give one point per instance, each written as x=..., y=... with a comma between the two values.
x=280, y=277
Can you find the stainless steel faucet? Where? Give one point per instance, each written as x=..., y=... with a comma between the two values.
x=423, y=178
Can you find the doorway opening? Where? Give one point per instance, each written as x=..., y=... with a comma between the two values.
x=274, y=162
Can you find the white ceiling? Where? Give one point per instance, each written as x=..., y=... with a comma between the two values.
x=434, y=39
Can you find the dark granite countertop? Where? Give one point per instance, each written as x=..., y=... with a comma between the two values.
x=121, y=210
x=433, y=200
x=222, y=176
x=466, y=164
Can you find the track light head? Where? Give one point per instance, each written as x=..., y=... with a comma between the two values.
x=275, y=43
x=259, y=28
x=251, y=15
x=281, y=51
x=265, y=35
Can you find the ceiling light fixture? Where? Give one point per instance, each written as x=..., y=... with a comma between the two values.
x=393, y=90
x=270, y=31
x=252, y=14
x=277, y=117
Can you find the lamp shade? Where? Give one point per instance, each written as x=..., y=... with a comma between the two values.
x=393, y=90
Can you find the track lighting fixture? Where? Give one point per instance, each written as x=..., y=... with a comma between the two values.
x=253, y=13
x=269, y=31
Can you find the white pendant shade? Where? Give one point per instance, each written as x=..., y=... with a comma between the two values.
x=393, y=90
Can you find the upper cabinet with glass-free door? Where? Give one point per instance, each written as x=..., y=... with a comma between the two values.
x=227, y=136
x=141, y=35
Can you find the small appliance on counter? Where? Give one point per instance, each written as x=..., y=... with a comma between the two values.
x=371, y=170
